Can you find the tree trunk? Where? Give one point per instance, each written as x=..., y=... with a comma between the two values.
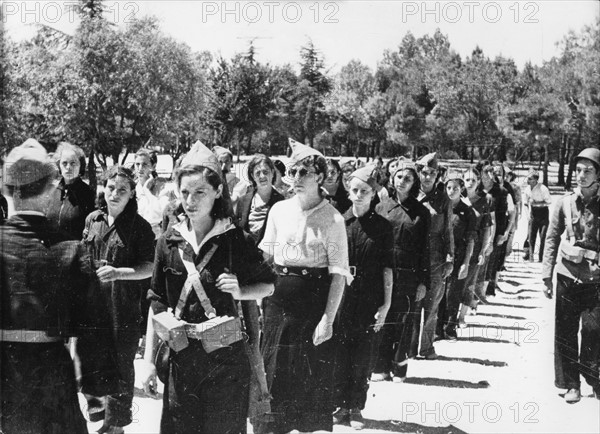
x=561, y=162
x=92, y=170
x=546, y=162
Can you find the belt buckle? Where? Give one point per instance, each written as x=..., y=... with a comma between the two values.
x=284, y=270
x=352, y=270
x=304, y=271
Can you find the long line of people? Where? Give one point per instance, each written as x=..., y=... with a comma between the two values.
x=341, y=272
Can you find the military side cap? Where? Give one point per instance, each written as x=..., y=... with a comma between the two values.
x=27, y=163
x=200, y=155
x=220, y=151
x=366, y=174
x=429, y=160
x=301, y=151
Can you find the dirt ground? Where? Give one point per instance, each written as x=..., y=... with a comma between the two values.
x=496, y=378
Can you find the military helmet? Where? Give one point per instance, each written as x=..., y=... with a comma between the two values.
x=591, y=154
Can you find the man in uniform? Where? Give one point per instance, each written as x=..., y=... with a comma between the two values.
x=441, y=247
x=40, y=288
x=577, y=279
x=537, y=201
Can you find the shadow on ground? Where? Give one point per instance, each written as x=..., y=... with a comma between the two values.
x=497, y=315
x=484, y=362
x=445, y=382
x=399, y=426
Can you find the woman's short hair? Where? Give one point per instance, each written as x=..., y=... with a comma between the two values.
x=66, y=146
x=152, y=157
x=123, y=172
x=416, y=187
x=257, y=160
x=220, y=207
x=319, y=164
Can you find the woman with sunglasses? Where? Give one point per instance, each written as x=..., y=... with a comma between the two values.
x=463, y=226
x=205, y=392
x=306, y=239
x=121, y=244
x=336, y=193
x=411, y=223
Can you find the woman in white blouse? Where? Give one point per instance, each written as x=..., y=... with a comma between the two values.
x=306, y=239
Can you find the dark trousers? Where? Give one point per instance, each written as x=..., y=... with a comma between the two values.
x=396, y=342
x=353, y=368
x=575, y=302
x=455, y=290
x=117, y=407
x=206, y=393
x=538, y=223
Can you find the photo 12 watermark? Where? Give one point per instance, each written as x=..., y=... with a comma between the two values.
x=250, y=12
x=53, y=12
x=452, y=12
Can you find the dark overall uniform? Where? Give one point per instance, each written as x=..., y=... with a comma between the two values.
x=370, y=245
x=42, y=287
x=499, y=194
x=206, y=392
x=410, y=224
x=127, y=242
x=463, y=226
x=577, y=289
x=69, y=206
x=441, y=251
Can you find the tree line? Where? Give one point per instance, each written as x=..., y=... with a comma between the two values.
x=110, y=89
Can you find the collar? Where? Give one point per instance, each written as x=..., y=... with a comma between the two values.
x=310, y=211
x=220, y=227
x=579, y=194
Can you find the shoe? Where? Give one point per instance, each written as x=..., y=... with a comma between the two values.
x=108, y=429
x=380, y=376
x=397, y=379
x=572, y=396
x=526, y=256
x=341, y=416
x=356, y=419
x=450, y=332
x=430, y=355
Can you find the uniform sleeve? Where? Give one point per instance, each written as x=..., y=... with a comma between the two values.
x=158, y=289
x=267, y=244
x=144, y=242
x=471, y=229
x=449, y=233
x=387, y=254
x=553, y=237
x=337, y=249
x=249, y=265
x=424, y=259
x=546, y=195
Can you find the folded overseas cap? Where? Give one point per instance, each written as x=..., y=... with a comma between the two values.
x=221, y=151
x=200, y=155
x=301, y=151
x=27, y=163
x=429, y=160
x=366, y=174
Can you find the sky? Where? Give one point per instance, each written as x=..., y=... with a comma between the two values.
x=341, y=30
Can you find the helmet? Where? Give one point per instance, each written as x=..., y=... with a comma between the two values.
x=591, y=154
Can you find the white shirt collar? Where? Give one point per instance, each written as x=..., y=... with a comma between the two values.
x=220, y=227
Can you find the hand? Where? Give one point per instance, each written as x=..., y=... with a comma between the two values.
x=147, y=372
x=501, y=239
x=488, y=250
x=323, y=332
x=448, y=267
x=228, y=282
x=548, y=289
x=108, y=273
x=481, y=260
x=463, y=271
x=421, y=290
x=380, y=316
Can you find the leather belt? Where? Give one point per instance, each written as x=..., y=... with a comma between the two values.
x=307, y=272
x=28, y=337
